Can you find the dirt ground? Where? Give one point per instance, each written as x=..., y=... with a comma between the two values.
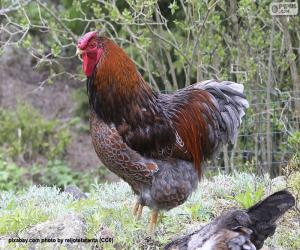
x=19, y=81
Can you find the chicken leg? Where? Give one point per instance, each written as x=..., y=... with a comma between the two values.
x=138, y=210
x=153, y=221
x=135, y=208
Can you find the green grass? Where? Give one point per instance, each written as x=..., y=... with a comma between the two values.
x=110, y=205
x=21, y=218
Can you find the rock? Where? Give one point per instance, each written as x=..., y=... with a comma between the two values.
x=150, y=243
x=75, y=192
x=105, y=236
x=279, y=181
x=105, y=232
x=4, y=242
x=56, y=233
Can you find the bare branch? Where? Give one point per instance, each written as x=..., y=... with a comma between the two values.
x=14, y=7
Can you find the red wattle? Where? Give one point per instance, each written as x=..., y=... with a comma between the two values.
x=90, y=60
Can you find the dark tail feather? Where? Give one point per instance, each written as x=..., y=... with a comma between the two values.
x=265, y=214
x=271, y=208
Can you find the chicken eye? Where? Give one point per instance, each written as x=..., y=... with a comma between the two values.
x=92, y=45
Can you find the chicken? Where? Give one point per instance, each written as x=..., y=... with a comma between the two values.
x=239, y=229
x=155, y=142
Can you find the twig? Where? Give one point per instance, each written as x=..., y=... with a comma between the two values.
x=58, y=20
x=13, y=7
x=169, y=43
x=197, y=41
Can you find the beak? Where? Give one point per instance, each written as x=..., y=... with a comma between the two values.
x=79, y=51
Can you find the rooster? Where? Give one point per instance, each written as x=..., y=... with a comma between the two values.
x=239, y=229
x=155, y=142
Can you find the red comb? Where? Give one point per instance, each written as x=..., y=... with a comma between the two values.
x=83, y=41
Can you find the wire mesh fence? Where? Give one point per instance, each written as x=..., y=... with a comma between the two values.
x=264, y=143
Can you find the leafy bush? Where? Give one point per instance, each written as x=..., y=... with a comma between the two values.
x=54, y=173
x=11, y=175
x=25, y=134
x=294, y=143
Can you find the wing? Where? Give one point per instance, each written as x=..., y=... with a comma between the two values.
x=153, y=136
x=118, y=157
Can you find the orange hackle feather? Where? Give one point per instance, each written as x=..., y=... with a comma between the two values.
x=118, y=71
x=121, y=89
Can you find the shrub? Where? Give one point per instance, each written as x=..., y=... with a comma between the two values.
x=54, y=173
x=25, y=134
x=294, y=143
x=11, y=175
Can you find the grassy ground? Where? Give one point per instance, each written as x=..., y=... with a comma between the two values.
x=109, y=205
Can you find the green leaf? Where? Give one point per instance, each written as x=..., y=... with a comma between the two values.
x=173, y=7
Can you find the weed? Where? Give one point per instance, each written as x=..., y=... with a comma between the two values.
x=249, y=197
x=199, y=212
